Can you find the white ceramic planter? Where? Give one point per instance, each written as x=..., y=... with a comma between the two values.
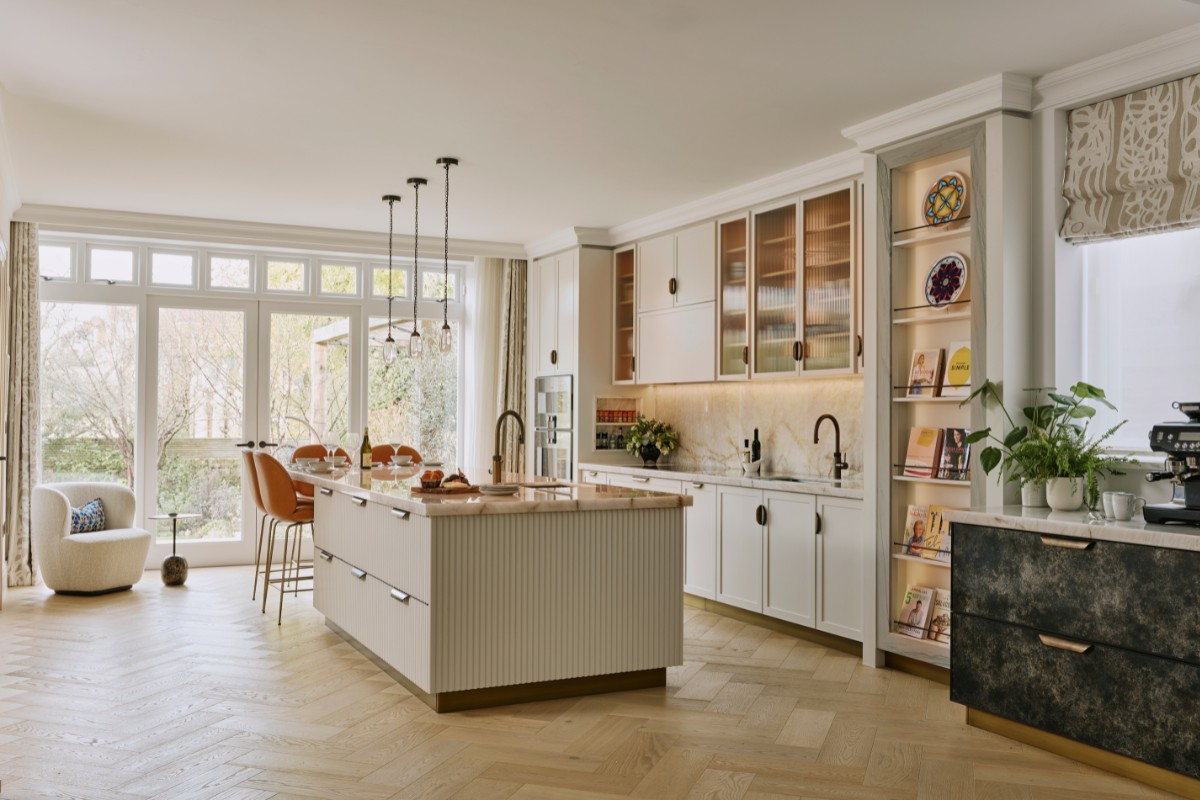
x=1065, y=494
x=1033, y=495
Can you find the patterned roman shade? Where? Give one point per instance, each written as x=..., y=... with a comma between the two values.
x=1133, y=164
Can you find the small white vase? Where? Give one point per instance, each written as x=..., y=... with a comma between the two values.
x=1064, y=494
x=1033, y=495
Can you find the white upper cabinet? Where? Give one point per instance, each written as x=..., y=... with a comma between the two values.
x=677, y=345
x=557, y=339
x=656, y=271
x=696, y=264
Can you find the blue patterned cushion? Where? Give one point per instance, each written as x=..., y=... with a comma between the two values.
x=89, y=518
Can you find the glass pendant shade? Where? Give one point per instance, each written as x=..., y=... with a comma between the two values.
x=446, y=341
x=389, y=349
x=414, y=344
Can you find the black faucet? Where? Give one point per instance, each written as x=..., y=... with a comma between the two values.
x=838, y=463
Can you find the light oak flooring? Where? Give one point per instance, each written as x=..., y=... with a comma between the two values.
x=190, y=692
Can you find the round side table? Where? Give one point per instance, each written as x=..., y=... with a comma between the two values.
x=174, y=566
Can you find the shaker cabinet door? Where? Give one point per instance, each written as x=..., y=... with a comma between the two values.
x=546, y=280
x=741, y=547
x=701, y=557
x=696, y=264
x=789, y=560
x=840, y=542
x=656, y=271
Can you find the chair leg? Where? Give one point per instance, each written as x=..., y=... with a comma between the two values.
x=258, y=543
x=296, y=554
x=283, y=585
x=270, y=557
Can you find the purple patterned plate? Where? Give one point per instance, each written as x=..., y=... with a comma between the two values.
x=946, y=281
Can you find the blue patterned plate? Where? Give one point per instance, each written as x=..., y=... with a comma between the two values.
x=945, y=198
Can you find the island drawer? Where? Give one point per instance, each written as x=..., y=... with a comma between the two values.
x=1139, y=705
x=340, y=522
x=400, y=546
x=397, y=631
x=341, y=592
x=1133, y=596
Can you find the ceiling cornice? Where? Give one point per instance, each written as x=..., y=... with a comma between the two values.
x=1003, y=92
x=245, y=234
x=567, y=238
x=1163, y=58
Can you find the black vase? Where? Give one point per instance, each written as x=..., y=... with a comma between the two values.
x=649, y=454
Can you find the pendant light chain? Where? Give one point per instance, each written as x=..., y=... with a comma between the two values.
x=446, y=339
x=414, y=339
x=389, y=344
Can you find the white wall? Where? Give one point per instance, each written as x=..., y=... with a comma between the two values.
x=8, y=181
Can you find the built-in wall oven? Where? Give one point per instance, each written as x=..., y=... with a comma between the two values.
x=554, y=408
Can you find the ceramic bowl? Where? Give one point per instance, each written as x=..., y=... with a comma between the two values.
x=401, y=461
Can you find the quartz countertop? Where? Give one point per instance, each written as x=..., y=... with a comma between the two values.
x=394, y=487
x=799, y=484
x=1078, y=524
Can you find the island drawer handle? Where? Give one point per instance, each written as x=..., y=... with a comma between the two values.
x=361, y=502
x=697, y=485
x=361, y=574
x=399, y=595
x=326, y=492
x=325, y=556
x=1064, y=644
x=399, y=513
x=1067, y=544
x=640, y=480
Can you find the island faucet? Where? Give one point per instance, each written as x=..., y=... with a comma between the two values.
x=838, y=463
x=497, y=459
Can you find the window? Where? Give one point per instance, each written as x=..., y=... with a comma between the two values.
x=55, y=261
x=229, y=272
x=89, y=392
x=172, y=269
x=339, y=279
x=379, y=282
x=432, y=283
x=286, y=276
x=1139, y=327
x=114, y=265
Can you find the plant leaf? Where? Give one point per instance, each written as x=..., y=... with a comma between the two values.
x=1083, y=412
x=1015, y=437
x=1061, y=399
x=978, y=436
x=989, y=458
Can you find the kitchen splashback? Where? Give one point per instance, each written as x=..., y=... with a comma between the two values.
x=713, y=419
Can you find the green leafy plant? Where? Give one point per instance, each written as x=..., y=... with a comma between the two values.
x=1053, y=441
x=651, y=431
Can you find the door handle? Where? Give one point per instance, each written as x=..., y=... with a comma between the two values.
x=818, y=522
x=697, y=485
x=633, y=364
x=244, y=444
x=361, y=502
x=1059, y=643
x=795, y=351
x=760, y=515
x=858, y=350
x=264, y=443
x=554, y=357
x=1067, y=544
x=399, y=513
x=361, y=574
x=672, y=286
x=746, y=354
x=325, y=556
x=326, y=492
x=399, y=595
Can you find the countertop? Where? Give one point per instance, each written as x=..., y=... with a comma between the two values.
x=1078, y=524
x=804, y=484
x=393, y=487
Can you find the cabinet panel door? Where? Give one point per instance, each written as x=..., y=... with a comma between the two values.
x=643, y=482
x=827, y=289
x=776, y=337
x=656, y=269
x=594, y=476
x=696, y=264
x=546, y=280
x=840, y=568
x=568, y=322
x=733, y=302
x=624, y=314
x=700, y=577
x=789, y=568
x=741, y=547
x=677, y=346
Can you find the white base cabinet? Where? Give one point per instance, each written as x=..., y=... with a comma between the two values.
x=740, y=534
x=700, y=543
x=841, y=539
x=789, y=563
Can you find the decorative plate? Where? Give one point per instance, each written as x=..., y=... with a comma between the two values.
x=945, y=198
x=498, y=489
x=946, y=281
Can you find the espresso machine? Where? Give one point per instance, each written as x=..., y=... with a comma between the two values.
x=1181, y=442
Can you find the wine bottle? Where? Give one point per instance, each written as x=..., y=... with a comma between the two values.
x=755, y=448
x=364, y=457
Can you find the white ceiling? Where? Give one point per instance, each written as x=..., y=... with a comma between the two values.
x=564, y=112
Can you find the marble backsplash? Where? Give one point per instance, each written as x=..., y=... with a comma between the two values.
x=713, y=420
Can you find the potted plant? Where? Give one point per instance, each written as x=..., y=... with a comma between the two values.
x=649, y=439
x=1053, y=446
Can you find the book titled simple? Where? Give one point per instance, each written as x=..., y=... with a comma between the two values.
x=924, y=447
x=914, y=613
x=939, y=617
x=924, y=373
x=937, y=535
x=957, y=381
x=915, y=530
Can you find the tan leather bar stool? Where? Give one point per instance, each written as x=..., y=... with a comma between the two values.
x=281, y=501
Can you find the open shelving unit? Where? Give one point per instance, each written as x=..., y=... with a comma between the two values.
x=624, y=315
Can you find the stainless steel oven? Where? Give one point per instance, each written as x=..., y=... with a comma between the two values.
x=554, y=409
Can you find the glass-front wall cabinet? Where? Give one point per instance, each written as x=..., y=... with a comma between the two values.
x=828, y=283
x=733, y=318
x=776, y=343
x=625, y=312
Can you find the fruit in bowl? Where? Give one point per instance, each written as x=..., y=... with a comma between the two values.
x=432, y=479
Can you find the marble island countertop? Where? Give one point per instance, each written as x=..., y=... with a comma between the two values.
x=851, y=487
x=1078, y=524
x=394, y=487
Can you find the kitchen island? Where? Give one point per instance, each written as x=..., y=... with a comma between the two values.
x=472, y=601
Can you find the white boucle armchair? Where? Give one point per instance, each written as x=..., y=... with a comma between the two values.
x=87, y=563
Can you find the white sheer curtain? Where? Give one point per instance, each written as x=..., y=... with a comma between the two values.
x=485, y=282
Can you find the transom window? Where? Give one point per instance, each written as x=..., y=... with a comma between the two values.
x=286, y=276
x=230, y=272
x=339, y=279
x=56, y=261
x=112, y=264
x=172, y=269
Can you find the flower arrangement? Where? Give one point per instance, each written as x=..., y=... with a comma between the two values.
x=649, y=438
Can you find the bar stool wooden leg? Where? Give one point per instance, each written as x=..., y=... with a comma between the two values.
x=258, y=546
x=283, y=583
x=267, y=572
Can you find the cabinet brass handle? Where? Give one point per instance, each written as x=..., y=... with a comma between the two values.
x=361, y=574
x=760, y=515
x=640, y=480
x=672, y=286
x=326, y=492
x=399, y=595
x=697, y=485
x=399, y=513
x=858, y=348
x=818, y=522
x=746, y=354
x=553, y=356
x=361, y=502
x=1067, y=544
x=325, y=556
x=1064, y=644
x=633, y=364
x=795, y=351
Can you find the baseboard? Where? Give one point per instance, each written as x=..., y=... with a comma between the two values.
x=832, y=641
x=912, y=666
x=1124, y=766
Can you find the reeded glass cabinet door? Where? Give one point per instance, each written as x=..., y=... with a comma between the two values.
x=623, y=268
x=733, y=320
x=828, y=296
x=776, y=344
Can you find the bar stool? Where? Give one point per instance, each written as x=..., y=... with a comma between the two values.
x=382, y=453
x=313, y=451
x=281, y=502
x=405, y=450
x=251, y=480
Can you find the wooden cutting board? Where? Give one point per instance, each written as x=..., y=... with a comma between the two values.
x=446, y=490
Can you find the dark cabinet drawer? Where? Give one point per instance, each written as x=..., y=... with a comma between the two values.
x=1134, y=704
x=1134, y=596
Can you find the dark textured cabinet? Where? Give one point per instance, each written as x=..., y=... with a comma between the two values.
x=1096, y=641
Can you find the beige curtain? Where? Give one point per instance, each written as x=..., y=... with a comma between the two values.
x=511, y=358
x=24, y=341
x=1133, y=164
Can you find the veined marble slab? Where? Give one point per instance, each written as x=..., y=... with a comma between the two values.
x=1079, y=525
x=385, y=485
x=851, y=488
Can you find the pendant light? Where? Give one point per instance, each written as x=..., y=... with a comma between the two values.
x=446, y=340
x=389, y=344
x=414, y=338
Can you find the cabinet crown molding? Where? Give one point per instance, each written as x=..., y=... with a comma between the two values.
x=567, y=238
x=1003, y=92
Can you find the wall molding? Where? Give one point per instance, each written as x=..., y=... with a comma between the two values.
x=1003, y=92
x=259, y=235
x=565, y=239
x=1163, y=58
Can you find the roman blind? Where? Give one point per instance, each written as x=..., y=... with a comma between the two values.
x=1133, y=164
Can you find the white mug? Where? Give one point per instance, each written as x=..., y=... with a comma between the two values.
x=1107, y=499
x=1125, y=504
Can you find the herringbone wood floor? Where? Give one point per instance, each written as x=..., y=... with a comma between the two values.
x=191, y=693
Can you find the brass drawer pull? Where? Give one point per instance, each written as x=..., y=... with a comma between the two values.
x=361, y=502
x=361, y=574
x=399, y=595
x=399, y=513
x=326, y=492
x=639, y=480
x=1067, y=544
x=325, y=556
x=1064, y=644
x=697, y=485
